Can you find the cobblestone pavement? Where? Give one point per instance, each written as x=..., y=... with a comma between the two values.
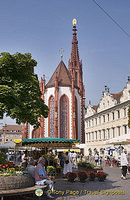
x=107, y=190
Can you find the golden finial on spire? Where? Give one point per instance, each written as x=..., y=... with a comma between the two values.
x=61, y=53
x=74, y=22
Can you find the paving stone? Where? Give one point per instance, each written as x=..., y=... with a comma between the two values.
x=107, y=190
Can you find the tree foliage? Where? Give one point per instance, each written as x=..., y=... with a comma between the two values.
x=20, y=95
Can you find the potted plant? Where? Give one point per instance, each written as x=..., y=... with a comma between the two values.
x=101, y=176
x=51, y=172
x=91, y=175
x=71, y=176
x=82, y=176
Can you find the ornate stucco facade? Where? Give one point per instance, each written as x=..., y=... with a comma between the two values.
x=65, y=96
x=106, y=125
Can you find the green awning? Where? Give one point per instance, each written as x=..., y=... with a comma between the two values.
x=49, y=141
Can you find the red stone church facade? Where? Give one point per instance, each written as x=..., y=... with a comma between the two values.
x=65, y=96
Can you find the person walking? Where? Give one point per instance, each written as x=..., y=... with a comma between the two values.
x=67, y=164
x=96, y=158
x=124, y=164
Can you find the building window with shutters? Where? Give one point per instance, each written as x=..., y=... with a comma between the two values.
x=113, y=116
x=99, y=135
x=113, y=130
x=99, y=120
x=108, y=117
x=104, y=135
x=104, y=118
x=108, y=133
x=125, y=129
x=119, y=130
x=96, y=134
x=124, y=112
x=118, y=114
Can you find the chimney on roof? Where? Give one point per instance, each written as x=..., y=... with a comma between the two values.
x=128, y=78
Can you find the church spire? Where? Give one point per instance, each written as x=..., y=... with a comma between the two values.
x=75, y=69
x=74, y=60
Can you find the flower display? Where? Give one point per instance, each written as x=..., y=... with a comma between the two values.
x=101, y=175
x=9, y=169
x=71, y=176
x=91, y=175
x=82, y=176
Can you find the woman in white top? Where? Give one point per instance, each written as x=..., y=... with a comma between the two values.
x=67, y=164
x=124, y=164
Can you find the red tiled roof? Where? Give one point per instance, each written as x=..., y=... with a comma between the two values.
x=63, y=75
x=117, y=96
x=96, y=107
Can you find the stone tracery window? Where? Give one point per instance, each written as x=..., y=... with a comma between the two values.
x=51, y=116
x=64, y=117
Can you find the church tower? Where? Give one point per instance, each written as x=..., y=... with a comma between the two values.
x=75, y=69
x=64, y=95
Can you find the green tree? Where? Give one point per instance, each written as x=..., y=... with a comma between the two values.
x=129, y=117
x=20, y=95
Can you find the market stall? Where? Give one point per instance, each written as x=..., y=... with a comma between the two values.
x=49, y=142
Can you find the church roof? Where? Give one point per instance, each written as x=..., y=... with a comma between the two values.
x=63, y=76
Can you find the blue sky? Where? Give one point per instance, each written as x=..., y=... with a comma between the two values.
x=43, y=27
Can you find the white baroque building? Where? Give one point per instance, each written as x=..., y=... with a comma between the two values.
x=106, y=124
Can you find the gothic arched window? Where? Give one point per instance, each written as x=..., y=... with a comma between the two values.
x=64, y=117
x=51, y=116
x=76, y=117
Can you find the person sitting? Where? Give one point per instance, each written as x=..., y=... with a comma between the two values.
x=41, y=176
x=31, y=168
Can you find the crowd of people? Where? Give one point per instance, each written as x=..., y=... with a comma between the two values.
x=36, y=164
x=123, y=162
